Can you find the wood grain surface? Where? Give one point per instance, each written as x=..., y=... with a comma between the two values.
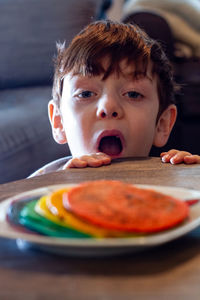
x=170, y=271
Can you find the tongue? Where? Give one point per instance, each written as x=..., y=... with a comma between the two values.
x=110, y=145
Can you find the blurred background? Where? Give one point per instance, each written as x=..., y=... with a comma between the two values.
x=29, y=30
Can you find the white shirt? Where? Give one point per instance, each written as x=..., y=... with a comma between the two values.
x=53, y=166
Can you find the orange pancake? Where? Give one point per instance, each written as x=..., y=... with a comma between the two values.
x=115, y=205
x=54, y=203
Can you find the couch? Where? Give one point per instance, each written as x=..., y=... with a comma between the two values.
x=29, y=30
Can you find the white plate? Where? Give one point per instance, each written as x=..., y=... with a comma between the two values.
x=104, y=246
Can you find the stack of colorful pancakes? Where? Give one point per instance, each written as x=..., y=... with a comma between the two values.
x=102, y=208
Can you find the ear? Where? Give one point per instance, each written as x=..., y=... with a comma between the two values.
x=56, y=123
x=164, y=126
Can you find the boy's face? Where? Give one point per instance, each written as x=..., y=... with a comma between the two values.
x=116, y=116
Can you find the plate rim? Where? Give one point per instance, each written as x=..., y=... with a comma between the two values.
x=144, y=241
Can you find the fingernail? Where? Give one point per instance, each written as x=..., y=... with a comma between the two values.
x=172, y=161
x=165, y=158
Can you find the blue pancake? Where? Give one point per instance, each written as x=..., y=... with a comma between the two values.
x=23, y=213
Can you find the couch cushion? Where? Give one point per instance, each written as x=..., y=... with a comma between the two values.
x=29, y=30
x=26, y=141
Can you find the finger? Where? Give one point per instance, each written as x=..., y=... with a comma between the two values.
x=91, y=160
x=75, y=163
x=166, y=156
x=179, y=157
x=192, y=159
x=163, y=154
x=104, y=157
x=174, y=156
x=97, y=160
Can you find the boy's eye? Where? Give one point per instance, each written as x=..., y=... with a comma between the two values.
x=86, y=94
x=134, y=95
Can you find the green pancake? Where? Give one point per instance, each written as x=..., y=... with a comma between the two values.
x=30, y=219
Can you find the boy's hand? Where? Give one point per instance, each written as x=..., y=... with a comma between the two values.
x=91, y=160
x=177, y=157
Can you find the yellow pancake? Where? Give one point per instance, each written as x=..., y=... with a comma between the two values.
x=42, y=209
x=55, y=204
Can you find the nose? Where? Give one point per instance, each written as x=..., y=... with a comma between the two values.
x=109, y=107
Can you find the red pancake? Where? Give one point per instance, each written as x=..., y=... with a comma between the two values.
x=120, y=206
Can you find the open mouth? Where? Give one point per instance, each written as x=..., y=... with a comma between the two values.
x=111, y=145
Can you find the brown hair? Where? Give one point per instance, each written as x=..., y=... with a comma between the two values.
x=117, y=41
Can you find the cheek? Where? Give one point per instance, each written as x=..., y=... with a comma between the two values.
x=69, y=120
x=76, y=123
x=143, y=119
x=142, y=127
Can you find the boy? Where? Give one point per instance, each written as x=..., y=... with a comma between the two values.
x=113, y=96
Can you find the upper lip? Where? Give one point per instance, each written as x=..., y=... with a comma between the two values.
x=113, y=132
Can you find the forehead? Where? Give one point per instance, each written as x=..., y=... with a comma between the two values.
x=124, y=68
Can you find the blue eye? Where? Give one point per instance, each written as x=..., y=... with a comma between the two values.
x=134, y=95
x=86, y=94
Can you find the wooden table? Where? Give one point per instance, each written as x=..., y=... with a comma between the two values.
x=170, y=271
